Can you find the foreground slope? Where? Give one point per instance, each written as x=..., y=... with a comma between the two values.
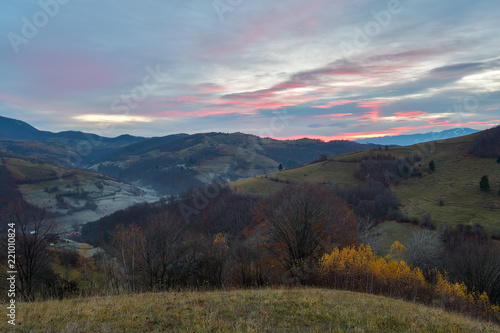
x=451, y=194
x=267, y=310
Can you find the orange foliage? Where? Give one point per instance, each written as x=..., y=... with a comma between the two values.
x=360, y=269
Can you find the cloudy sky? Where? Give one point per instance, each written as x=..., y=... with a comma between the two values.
x=326, y=69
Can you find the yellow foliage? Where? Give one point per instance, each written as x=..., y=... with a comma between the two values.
x=221, y=241
x=359, y=269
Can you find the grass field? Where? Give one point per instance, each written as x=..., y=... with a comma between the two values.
x=451, y=194
x=45, y=181
x=266, y=310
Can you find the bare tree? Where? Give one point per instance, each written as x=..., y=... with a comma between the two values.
x=162, y=231
x=303, y=222
x=472, y=257
x=35, y=231
x=128, y=243
x=424, y=249
x=364, y=225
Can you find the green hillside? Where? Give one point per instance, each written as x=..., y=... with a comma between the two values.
x=175, y=163
x=266, y=310
x=451, y=194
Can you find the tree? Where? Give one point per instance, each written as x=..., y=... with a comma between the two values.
x=128, y=243
x=35, y=231
x=280, y=167
x=498, y=159
x=162, y=231
x=484, y=184
x=424, y=249
x=432, y=166
x=302, y=222
x=470, y=256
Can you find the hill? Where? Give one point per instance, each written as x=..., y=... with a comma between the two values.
x=411, y=139
x=75, y=196
x=266, y=310
x=174, y=163
x=70, y=148
x=451, y=194
x=171, y=164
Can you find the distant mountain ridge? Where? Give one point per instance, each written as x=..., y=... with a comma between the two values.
x=170, y=164
x=63, y=148
x=20, y=130
x=411, y=139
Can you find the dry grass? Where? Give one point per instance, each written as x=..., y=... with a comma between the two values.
x=455, y=182
x=266, y=310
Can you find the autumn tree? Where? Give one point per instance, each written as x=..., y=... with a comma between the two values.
x=302, y=222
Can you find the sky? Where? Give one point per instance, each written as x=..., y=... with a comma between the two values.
x=326, y=69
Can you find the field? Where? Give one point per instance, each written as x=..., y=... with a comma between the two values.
x=42, y=184
x=451, y=194
x=265, y=310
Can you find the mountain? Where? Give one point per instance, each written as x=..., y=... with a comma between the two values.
x=411, y=139
x=17, y=129
x=71, y=148
x=174, y=163
x=171, y=164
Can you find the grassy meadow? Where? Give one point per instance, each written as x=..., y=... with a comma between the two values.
x=451, y=194
x=263, y=310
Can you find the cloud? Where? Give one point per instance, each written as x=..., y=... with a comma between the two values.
x=103, y=118
x=435, y=65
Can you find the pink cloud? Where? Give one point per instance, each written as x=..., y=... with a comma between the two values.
x=335, y=115
x=490, y=109
x=208, y=88
x=409, y=114
x=374, y=114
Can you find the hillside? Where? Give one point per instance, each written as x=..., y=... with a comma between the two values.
x=174, y=163
x=70, y=148
x=451, y=193
x=74, y=196
x=265, y=310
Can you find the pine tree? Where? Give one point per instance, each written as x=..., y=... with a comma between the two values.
x=484, y=184
x=432, y=166
x=280, y=167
